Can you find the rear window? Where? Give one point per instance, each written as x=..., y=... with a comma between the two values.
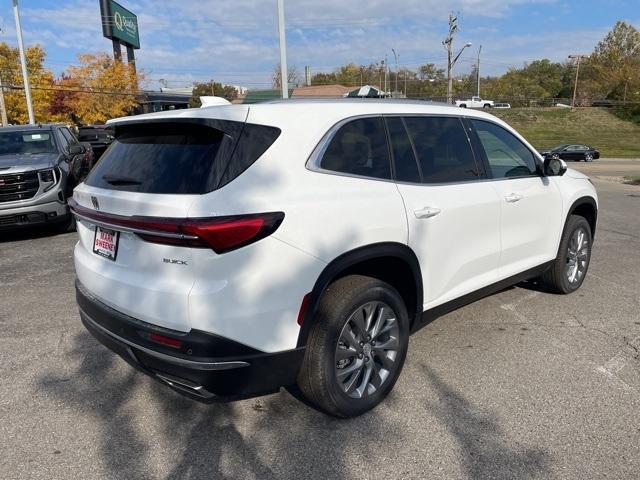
x=180, y=158
x=94, y=135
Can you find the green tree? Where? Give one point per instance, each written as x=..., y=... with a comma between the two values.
x=211, y=88
x=616, y=62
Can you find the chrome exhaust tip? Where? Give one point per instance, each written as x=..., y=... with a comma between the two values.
x=185, y=386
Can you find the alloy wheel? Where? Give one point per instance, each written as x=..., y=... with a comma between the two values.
x=367, y=349
x=577, y=256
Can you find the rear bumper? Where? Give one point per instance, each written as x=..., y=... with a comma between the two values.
x=203, y=366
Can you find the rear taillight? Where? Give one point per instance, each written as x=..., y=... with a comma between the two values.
x=222, y=234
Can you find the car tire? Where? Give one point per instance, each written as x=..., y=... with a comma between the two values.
x=487, y=105
x=463, y=106
x=588, y=157
x=346, y=369
x=570, y=267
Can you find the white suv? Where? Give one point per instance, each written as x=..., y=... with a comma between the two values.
x=232, y=250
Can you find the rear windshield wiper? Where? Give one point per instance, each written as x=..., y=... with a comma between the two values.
x=116, y=180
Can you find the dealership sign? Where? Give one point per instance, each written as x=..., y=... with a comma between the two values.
x=119, y=24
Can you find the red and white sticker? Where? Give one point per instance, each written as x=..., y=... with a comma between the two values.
x=105, y=243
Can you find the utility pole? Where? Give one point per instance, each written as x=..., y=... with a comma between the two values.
x=448, y=44
x=23, y=62
x=578, y=57
x=3, y=109
x=284, y=74
x=478, y=68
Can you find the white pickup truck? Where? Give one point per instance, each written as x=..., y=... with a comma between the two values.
x=474, y=102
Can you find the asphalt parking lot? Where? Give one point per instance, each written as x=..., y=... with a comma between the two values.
x=522, y=384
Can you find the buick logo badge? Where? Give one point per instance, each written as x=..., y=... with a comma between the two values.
x=95, y=203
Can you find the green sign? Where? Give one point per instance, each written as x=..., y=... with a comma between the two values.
x=123, y=25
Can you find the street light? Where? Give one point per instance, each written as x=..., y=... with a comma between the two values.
x=450, y=65
x=396, y=57
x=466, y=45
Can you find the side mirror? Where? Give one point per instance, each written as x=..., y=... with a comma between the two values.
x=554, y=167
x=75, y=149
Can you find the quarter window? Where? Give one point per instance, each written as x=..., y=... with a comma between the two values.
x=442, y=148
x=359, y=148
x=507, y=156
x=68, y=136
x=404, y=160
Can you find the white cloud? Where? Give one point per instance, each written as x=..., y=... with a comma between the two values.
x=235, y=41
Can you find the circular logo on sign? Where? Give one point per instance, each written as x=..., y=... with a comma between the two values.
x=119, y=21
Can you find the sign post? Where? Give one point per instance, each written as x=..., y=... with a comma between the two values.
x=121, y=26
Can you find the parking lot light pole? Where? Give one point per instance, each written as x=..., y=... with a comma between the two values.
x=395, y=54
x=478, y=68
x=284, y=78
x=23, y=62
x=575, y=87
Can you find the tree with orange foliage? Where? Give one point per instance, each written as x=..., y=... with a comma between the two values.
x=40, y=80
x=102, y=88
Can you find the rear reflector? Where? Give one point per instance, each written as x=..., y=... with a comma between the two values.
x=222, y=234
x=171, y=342
x=304, y=306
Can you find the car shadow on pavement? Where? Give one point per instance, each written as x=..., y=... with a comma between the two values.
x=145, y=430
x=486, y=452
x=93, y=390
x=31, y=233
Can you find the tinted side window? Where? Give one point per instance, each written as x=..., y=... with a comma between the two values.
x=359, y=148
x=68, y=136
x=507, y=156
x=443, y=149
x=404, y=160
x=62, y=140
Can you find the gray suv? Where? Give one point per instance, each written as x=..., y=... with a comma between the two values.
x=39, y=167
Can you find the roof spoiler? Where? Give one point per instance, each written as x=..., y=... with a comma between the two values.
x=210, y=101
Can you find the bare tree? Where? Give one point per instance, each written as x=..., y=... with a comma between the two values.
x=293, y=76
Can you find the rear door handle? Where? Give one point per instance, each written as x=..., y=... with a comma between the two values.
x=513, y=198
x=426, y=212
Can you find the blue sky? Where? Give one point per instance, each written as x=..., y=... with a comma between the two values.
x=236, y=41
